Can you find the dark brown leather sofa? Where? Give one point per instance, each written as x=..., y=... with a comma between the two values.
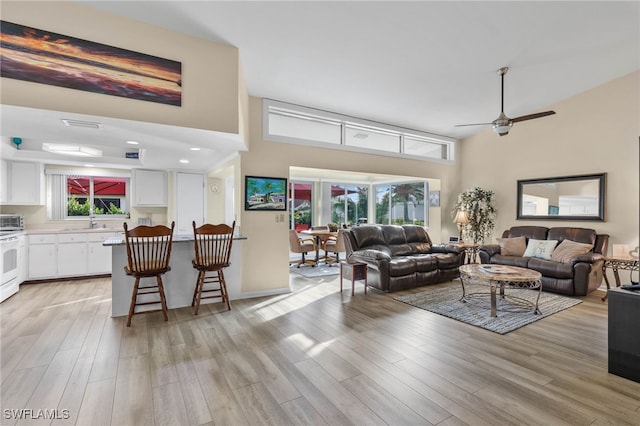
x=401, y=257
x=577, y=278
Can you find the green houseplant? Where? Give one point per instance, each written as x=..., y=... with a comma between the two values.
x=479, y=205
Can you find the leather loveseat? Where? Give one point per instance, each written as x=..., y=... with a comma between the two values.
x=575, y=275
x=401, y=257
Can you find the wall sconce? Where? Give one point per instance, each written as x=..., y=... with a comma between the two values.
x=461, y=219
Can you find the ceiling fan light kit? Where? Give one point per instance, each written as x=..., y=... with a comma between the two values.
x=503, y=124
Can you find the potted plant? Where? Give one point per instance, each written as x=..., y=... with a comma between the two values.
x=479, y=206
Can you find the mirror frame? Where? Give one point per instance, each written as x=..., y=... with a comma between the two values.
x=600, y=177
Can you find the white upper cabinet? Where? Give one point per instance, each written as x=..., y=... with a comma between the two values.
x=149, y=188
x=22, y=183
x=190, y=201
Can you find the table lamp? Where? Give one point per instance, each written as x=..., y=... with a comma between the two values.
x=461, y=219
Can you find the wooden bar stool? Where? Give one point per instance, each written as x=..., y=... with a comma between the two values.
x=148, y=254
x=212, y=254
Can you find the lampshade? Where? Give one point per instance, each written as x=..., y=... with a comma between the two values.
x=461, y=217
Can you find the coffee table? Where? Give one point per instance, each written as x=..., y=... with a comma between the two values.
x=501, y=276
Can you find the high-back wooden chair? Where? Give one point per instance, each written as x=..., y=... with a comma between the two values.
x=148, y=255
x=212, y=254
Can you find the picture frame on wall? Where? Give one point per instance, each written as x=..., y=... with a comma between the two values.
x=44, y=57
x=265, y=193
x=434, y=198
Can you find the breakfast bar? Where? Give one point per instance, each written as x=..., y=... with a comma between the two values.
x=179, y=282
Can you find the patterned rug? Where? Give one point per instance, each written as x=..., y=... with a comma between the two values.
x=477, y=310
x=315, y=271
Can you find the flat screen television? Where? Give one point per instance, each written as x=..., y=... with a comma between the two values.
x=265, y=193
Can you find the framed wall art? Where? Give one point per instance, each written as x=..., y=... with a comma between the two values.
x=45, y=57
x=265, y=193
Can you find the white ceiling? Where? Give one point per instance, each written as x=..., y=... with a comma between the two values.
x=422, y=65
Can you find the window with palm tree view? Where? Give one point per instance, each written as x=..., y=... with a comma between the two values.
x=401, y=203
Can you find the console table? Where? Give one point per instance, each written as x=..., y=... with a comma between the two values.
x=624, y=339
x=624, y=263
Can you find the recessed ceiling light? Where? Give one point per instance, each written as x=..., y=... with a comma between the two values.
x=75, y=150
x=79, y=123
x=88, y=165
x=194, y=148
x=184, y=161
x=133, y=142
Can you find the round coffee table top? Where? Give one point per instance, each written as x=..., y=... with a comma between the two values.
x=500, y=273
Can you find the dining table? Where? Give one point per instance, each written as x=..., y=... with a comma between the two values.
x=320, y=235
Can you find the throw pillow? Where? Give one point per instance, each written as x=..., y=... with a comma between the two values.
x=568, y=249
x=512, y=246
x=540, y=248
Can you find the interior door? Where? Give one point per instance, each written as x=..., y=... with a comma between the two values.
x=190, y=201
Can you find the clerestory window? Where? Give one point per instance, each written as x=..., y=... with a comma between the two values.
x=289, y=123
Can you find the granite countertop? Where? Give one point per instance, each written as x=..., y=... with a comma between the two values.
x=179, y=238
x=73, y=230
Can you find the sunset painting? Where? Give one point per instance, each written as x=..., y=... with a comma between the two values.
x=40, y=56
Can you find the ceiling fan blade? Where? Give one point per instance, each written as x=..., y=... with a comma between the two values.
x=476, y=124
x=502, y=134
x=532, y=116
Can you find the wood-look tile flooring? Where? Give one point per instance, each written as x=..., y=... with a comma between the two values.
x=314, y=356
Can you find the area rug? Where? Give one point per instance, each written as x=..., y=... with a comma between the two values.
x=316, y=271
x=476, y=311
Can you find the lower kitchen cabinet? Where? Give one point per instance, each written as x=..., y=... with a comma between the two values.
x=68, y=255
x=72, y=255
x=98, y=256
x=43, y=259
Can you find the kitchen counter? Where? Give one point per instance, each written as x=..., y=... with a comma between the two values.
x=73, y=230
x=179, y=283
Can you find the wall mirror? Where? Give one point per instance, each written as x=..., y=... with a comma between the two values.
x=562, y=198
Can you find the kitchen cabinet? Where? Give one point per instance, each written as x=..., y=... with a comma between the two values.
x=22, y=259
x=98, y=256
x=43, y=260
x=72, y=254
x=4, y=177
x=23, y=183
x=67, y=254
x=149, y=188
x=190, y=201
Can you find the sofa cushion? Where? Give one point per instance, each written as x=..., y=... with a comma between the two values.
x=512, y=246
x=519, y=261
x=551, y=269
x=580, y=235
x=447, y=260
x=537, y=232
x=417, y=238
x=569, y=249
x=540, y=248
x=369, y=235
x=399, y=266
x=425, y=262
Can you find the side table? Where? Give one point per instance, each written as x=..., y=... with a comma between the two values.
x=624, y=263
x=470, y=252
x=353, y=272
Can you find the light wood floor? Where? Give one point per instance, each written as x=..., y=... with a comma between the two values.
x=313, y=356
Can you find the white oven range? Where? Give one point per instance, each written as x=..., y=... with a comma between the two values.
x=12, y=242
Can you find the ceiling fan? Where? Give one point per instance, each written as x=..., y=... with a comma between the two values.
x=502, y=124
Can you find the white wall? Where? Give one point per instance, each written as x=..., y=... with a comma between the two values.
x=266, y=253
x=213, y=92
x=594, y=132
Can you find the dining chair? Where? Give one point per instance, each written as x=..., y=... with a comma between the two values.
x=212, y=254
x=301, y=245
x=148, y=255
x=335, y=245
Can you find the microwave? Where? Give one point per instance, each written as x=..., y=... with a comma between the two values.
x=11, y=222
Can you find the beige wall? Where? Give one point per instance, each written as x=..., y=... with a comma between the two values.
x=213, y=93
x=267, y=251
x=594, y=132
